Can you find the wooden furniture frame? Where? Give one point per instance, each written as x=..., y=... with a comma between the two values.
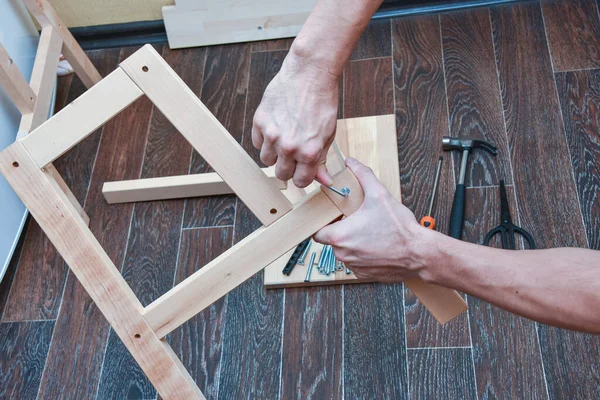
x=33, y=99
x=143, y=329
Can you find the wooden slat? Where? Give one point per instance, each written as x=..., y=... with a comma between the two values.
x=187, y=113
x=95, y=271
x=14, y=84
x=46, y=16
x=80, y=118
x=238, y=264
x=173, y=187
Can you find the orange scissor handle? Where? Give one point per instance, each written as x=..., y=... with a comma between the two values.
x=428, y=222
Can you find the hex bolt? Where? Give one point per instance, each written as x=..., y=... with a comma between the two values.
x=344, y=192
x=310, y=266
x=304, y=253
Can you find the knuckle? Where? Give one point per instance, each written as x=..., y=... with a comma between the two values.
x=270, y=136
x=287, y=148
x=310, y=155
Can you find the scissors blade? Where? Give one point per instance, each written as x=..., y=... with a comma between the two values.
x=504, y=209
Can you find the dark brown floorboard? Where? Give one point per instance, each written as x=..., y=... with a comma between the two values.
x=40, y=277
x=474, y=103
x=580, y=102
x=224, y=94
x=199, y=342
x=573, y=31
x=153, y=243
x=76, y=356
x=506, y=350
x=422, y=121
x=272, y=45
x=23, y=350
x=11, y=271
x=374, y=42
x=441, y=374
x=251, y=360
x=368, y=88
x=546, y=191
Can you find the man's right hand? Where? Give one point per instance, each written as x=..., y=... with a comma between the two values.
x=295, y=123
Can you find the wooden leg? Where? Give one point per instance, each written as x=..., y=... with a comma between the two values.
x=14, y=84
x=96, y=272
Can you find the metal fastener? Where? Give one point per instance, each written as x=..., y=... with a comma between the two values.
x=310, y=266
x=322, y=258
x=344, y=192
x=348, y=272
x=304, y=253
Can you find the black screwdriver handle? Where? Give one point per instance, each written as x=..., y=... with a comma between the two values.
x=457, y=216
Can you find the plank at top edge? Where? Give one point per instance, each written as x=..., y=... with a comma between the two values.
x=187, y=113
x=545, y=190
x=519, y=372
x=238, y=264
x=82, y=117
x=15, y=85
x=94, y=269
x=579, y=93
x=474, y=96
x=421, y=121
x=47, y=16
x=573, y=32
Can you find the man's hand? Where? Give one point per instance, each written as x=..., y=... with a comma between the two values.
x=382, y=240
x=296, y=120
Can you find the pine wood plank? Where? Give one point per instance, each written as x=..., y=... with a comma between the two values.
x=573, y=32
x=81, y=325
x=224, y=90
x=546, y=191
x=506, y=349
x=421, y=120
x=199, y=342
x=580, y=100
x=374, y=42
x=475, y=108
x=41, y=275
x=14, y=84
x=368, y=88
x=430, y=377
x=224, y=154
x=23, y=351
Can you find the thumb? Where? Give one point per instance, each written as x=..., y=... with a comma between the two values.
x=323, y=176
x=365, y=176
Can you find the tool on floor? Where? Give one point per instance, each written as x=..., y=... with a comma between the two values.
x=428, y=221
x=458, y=205
x=344, y=192
x=310, y=266
x=506, y=228
x=289, y=267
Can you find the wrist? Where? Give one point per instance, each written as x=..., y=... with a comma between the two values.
x=315, y=69
x=433, y=257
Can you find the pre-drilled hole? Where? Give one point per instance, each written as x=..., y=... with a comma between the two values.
x=273, y=211
x=15, y=164
x=137, y=336
x=145, y=68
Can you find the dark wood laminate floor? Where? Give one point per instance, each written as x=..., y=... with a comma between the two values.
x=519, y=75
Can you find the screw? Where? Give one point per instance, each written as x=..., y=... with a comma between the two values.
x=344, y=192
x=322, y=258
x=303, y=255
x=310, y=266
x=348, y=272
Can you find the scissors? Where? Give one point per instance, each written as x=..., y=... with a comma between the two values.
x=507, y=229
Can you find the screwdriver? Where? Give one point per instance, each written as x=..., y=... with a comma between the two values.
x=428, y=221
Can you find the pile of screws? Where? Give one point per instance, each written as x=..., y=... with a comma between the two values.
x=326, y=265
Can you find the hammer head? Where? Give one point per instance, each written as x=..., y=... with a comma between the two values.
x=450, y=143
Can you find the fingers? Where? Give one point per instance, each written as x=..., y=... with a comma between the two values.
x=267, y=153
x=285, y=168
x=304, y=174
x=257, y=137
x=367, y=179
x=322, y=175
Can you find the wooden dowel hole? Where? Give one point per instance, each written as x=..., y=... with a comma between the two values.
x=137, y=336
x=145, y=68
x=15, y=164
x=273, y=211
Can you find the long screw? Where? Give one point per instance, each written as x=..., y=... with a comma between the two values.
x=310, y=266
x=304, y=253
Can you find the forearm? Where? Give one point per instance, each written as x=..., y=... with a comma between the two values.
x=330, y=34
x=559, y=287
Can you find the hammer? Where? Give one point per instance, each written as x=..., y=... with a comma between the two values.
x=457, y=215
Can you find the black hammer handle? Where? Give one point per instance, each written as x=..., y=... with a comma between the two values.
x=457, y=217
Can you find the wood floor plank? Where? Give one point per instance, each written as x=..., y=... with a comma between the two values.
x=272, y=45
x=23, y=351
x=368, y=88
x=199, y=342
x=224, y=94
x=506, y=350
x=474, y=103
x=431, y=377
x=153, y=243
x=40, y=277
x=422, y=121
x=9, y=275
x=580, y=101
x=312, y=344
x=546, y=191
x=250, y=363
x=374, y=42
x=573, y=31
x=76, y=353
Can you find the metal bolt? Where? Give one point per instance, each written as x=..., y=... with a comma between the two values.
x=344, y=192
x=304, y=253
x=310, y=266
x=322, y=258
x=348, y=272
